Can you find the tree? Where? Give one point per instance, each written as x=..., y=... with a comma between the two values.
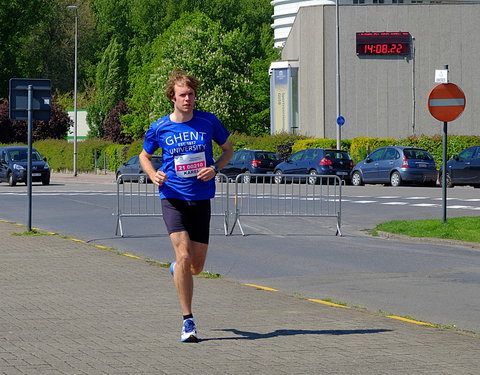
x=17, y=131
x=110, y=85
x=113, y=127
x=17, y=18
x=37, y=41
x=203, y=48
x=6, y=130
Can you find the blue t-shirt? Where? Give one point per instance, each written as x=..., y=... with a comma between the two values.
x=186, y=148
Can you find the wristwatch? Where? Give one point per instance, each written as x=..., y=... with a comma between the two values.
x=215, y=168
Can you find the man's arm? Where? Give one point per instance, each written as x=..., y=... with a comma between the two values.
x=157, y=177
x=208, y=173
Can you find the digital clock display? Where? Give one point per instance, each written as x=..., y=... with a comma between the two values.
x=383, y=43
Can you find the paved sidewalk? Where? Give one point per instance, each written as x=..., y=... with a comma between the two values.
x=70, y=308
x=100, y=177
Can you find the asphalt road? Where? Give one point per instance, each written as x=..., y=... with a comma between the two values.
x=302, y=256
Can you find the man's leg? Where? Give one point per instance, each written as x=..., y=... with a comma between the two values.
x=190, y=257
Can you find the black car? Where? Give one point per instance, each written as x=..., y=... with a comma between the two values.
x=13, y=166
x=317, y=161
x=396, y=165
x=464, y=168
x=251, y=161
x=132, y=166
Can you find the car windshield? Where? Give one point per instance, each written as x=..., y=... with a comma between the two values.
x=22, y=155
x=340, y=155
x=417, y=154
x=266, y=156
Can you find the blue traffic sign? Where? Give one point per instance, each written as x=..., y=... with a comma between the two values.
x=340, y=120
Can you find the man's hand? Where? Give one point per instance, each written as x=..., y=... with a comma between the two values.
x=159, y=178
x=206, y=174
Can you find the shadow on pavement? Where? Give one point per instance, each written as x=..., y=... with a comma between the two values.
x=245, y=335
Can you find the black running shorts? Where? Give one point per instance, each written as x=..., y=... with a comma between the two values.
x=190, y=216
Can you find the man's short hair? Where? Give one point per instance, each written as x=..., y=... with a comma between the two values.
x=179, y=77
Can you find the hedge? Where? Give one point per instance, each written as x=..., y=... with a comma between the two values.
x=95, y=152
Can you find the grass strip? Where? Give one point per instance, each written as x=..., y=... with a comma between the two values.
x=459, y=228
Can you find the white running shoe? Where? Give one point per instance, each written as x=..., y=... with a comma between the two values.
x=189, y=331
x=172, y=268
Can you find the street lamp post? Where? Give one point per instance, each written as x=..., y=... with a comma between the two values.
x=337, y=41
x=75, y=93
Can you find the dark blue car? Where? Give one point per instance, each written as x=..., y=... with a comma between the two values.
x=395, y=165
x=13, y=165
x=464, y=168
x=316, y=161
x=248, y=162
x=132, y=166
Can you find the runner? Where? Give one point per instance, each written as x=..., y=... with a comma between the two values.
x=186, y=183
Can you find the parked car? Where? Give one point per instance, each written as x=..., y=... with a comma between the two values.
x=251, y=162
x=132, y=166
x=396, y=165
x=316, y=161
x=464, y=168
x=13, y=166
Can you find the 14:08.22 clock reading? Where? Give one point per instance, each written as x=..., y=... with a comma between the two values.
x=383, y=49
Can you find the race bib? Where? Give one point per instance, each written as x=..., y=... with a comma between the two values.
x=189, y=165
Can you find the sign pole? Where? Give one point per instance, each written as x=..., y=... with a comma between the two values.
x=444, y=173
x=29, y=99
x=446, y=102
x=29, y=157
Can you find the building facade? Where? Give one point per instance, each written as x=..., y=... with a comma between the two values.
x=381, y=95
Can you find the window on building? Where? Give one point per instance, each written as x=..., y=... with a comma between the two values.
x=397, y=1
x=359, y=1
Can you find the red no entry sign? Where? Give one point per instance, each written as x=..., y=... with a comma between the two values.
x=446, y=102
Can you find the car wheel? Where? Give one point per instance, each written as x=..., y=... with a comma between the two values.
x=246, y=178
x=312, y=180
x=357, y=179
x=278, y=177
x=11, y=180
x=46, y=182
x=395, y=179
x=142, y=179
x=118, y=176
x=218, y=178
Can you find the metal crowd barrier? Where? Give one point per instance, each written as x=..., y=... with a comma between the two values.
x=263, y=195
x=288, y=195
x=137, y=197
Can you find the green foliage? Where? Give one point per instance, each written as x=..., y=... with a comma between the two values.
x=434, y=144
x=279, y=143
x=314, y=143
x=17, y=20
x=135, y=148
x=84, y=98
x=362, y=146
x=60, y=152
x=202, y=48
x=111, y=86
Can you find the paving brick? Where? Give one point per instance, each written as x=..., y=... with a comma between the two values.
x=70, y=308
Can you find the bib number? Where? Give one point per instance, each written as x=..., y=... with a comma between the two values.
x=189, y=165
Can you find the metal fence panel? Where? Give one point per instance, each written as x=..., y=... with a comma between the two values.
x=288, y=195
x=269, y=195
x=138, y=198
